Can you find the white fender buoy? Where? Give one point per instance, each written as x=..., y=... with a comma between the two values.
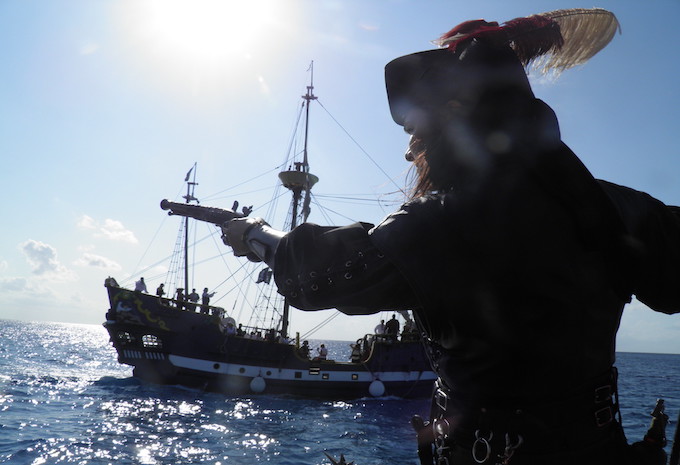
x=258, y=384
x=376, y=388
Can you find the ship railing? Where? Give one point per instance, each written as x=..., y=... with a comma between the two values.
x=187, y=306
x=246, y=332
x=362, y=349
x=261, y=334
x=405, y=336
x=179, y=304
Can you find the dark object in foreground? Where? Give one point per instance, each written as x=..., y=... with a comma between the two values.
x=650, y=451
x=339, y=462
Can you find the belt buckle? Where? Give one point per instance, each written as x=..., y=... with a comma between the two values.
x=441, y=399
x=603, y=394
x=604, y=416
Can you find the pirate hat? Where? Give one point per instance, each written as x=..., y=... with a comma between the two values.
x=479, y=56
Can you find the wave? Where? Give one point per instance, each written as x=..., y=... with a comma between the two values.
x=113, y=381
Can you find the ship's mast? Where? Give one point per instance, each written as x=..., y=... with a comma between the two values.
x=308, y=97
x=188, y=199
x=299, y=180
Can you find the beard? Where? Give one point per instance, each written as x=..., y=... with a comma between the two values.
x=454, y=158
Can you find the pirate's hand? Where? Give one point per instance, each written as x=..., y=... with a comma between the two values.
x=252, y=238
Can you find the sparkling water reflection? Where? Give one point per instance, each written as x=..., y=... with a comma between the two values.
x=65, y=400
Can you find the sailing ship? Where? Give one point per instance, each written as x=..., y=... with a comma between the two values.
x=178, y=341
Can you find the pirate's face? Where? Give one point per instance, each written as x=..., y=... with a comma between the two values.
x=426, y=125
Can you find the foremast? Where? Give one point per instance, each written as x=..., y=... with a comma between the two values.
x=189, y=197
x=300, y=182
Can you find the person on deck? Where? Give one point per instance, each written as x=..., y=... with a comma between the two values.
x=304, y=349
x=230, y=330
x=193, y=298
x=392, y=328
x=140, y=286
x=322, y=352
x=205, y=300
x=380, y=328
x=517, y=263
x=179, y=297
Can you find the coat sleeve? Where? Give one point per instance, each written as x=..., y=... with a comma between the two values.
x=654, y=236
x=320, y=267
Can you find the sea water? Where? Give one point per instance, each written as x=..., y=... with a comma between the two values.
x=64, y=399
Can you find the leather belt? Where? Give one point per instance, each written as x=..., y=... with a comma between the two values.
x=584, y=417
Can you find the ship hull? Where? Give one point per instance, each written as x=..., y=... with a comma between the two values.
x=179, y=346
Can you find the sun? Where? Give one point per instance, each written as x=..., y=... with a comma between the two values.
x=207, y=30
x=201, y=35
x=199, y=46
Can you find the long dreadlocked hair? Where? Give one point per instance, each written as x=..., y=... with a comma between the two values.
x=418, y=175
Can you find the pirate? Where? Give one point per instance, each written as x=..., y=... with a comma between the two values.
x=516, y=262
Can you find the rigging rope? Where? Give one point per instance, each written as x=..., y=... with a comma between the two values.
x=269, y=171
x=321, y=325
x=362, y=149
x=276, y=169
x=264, y=297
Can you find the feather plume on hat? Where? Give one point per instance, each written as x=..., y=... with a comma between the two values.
x=478, y=54
x=551, y=41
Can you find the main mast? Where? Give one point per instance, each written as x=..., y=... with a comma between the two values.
x=299, y=181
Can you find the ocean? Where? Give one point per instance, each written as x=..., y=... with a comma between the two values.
x=64, y=399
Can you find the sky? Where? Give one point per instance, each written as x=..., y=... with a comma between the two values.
x=105, y=106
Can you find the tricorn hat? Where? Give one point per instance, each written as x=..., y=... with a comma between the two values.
x=479, y=56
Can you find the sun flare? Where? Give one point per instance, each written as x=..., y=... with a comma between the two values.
x=204, y=34
x=204, y=29
x=207, y=29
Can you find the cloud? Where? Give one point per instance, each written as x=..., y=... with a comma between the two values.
x=43, y=260
x=23, y=287
x=110, y=229
x=13, y=284
x=97, y=261
x=115, y=230
x=89, y=48
x=87, y=222
x=42, y=257
x=369, y=27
